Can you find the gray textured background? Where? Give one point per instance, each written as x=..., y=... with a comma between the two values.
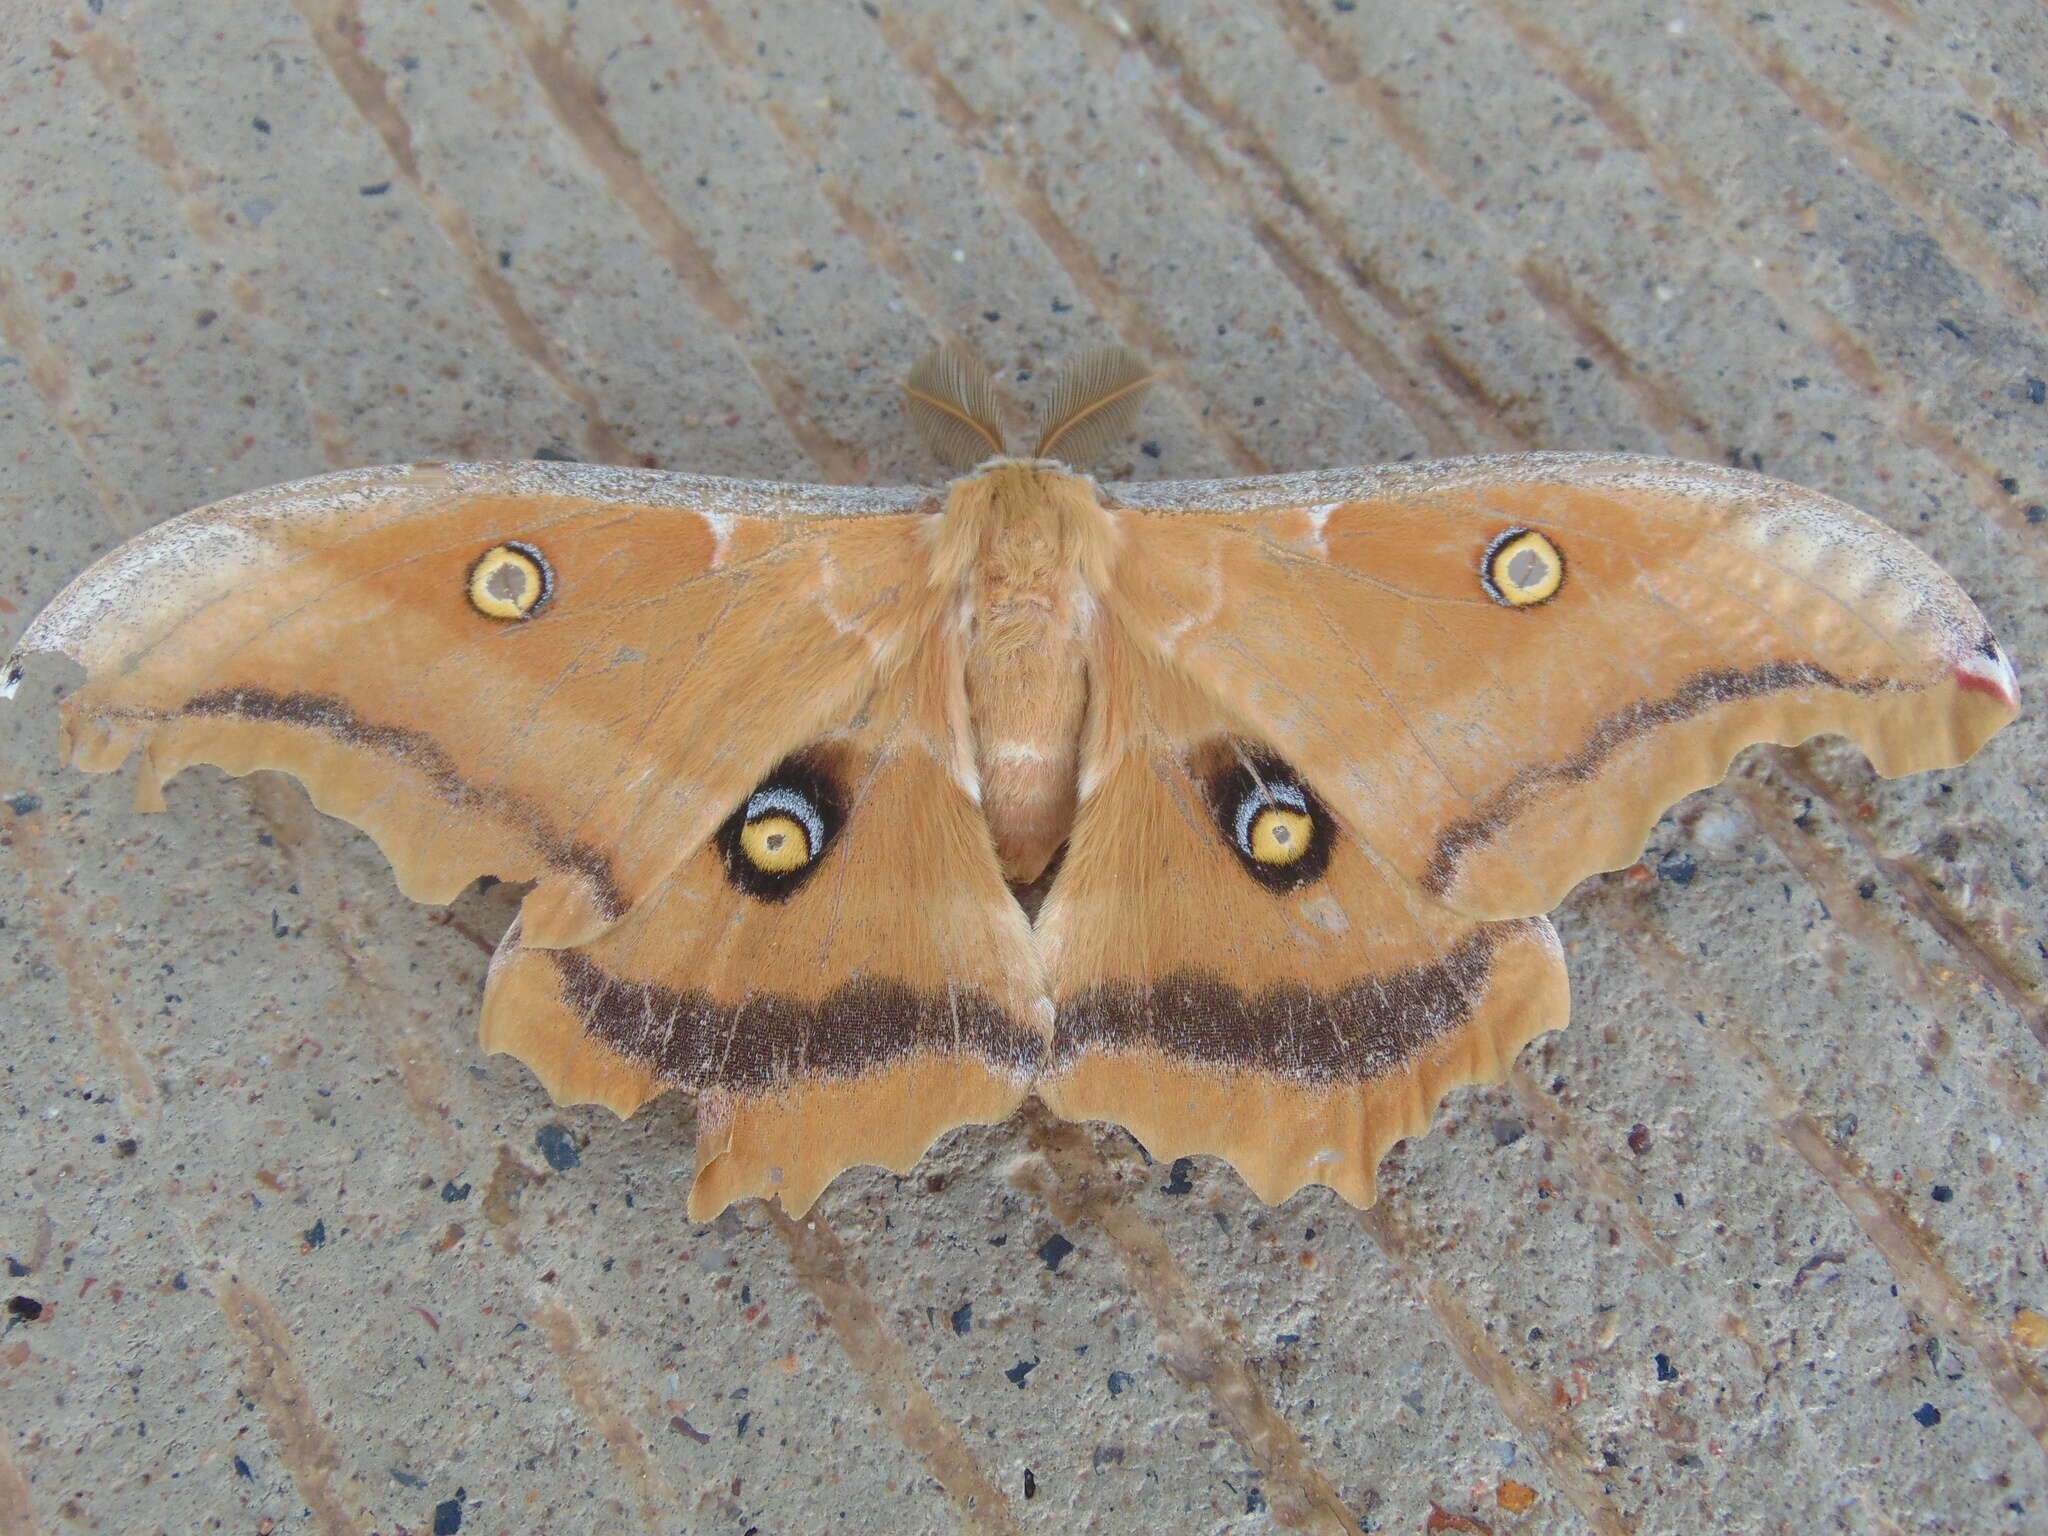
x=1715, y=1258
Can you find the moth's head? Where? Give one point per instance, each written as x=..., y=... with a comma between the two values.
x=957, y=409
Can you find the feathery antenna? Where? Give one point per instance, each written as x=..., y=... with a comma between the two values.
x=953, y=403
x=1094, y=401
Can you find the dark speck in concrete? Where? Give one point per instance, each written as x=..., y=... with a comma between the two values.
x=2037, y=391
x=1867, y=889
x=1639, y=1138
x=22, y=803
x=27, y=1308
x=1030, y=1484
x=1020, y=1370
x=1178, y=1182
x=454, y=1193
x=1053, y=1250
x=1942, y=1193
x=1506, y=1130
x=1928, y=1415
x=375, y=189
x=1665, y=1370
x=447, y=1517
x=557, y=1146
x=15, y=1268
x=1678, y=868
x=406, y=1479
x=963, y=1317
x=316, y=1234
x=1118, y=1381
x=260, y=124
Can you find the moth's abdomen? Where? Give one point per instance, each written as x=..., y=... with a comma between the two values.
x=1027, y=690
x=1027, y=544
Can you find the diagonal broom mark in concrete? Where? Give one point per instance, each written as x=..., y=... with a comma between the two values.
x=92, y=1004
x=1959, y=237
x=114, y=65
x=276, y=1383
x=17, y=1510
x=1907, y=1249
x=1982, y=92
x=1077, y=1184
x=1030, y=204
x=822, y=1264
x=587, y=1379
x=336, y=27
x=1558, y=1446
x=577, y=102
x=881, y=247
x=1851, y=356
x=49, y=375
x=1411, y=375
x=1975, y=943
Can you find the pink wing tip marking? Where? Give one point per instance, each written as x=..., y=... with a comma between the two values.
x=1986, y=670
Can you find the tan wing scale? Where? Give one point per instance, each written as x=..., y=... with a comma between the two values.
x=1497, y=754
x=326, y=629
x=1298, y=1032
x=892, y=997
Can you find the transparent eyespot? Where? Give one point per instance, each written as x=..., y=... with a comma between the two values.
x=1522, y=568
x=510, y=581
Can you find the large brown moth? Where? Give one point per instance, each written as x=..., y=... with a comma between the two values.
x=1224, y=810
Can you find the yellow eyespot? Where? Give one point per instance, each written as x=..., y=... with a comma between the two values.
x=775, y=845
x=1279, y=835
x=509, y=582
x=1522, y=568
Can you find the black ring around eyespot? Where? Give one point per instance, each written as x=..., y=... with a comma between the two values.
x=1235, y=775
x=540, y=563
x=809, y=777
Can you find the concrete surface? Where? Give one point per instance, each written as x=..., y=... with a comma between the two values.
x=1756, y=1246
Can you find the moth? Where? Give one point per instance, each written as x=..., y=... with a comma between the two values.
x=1226, y=810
